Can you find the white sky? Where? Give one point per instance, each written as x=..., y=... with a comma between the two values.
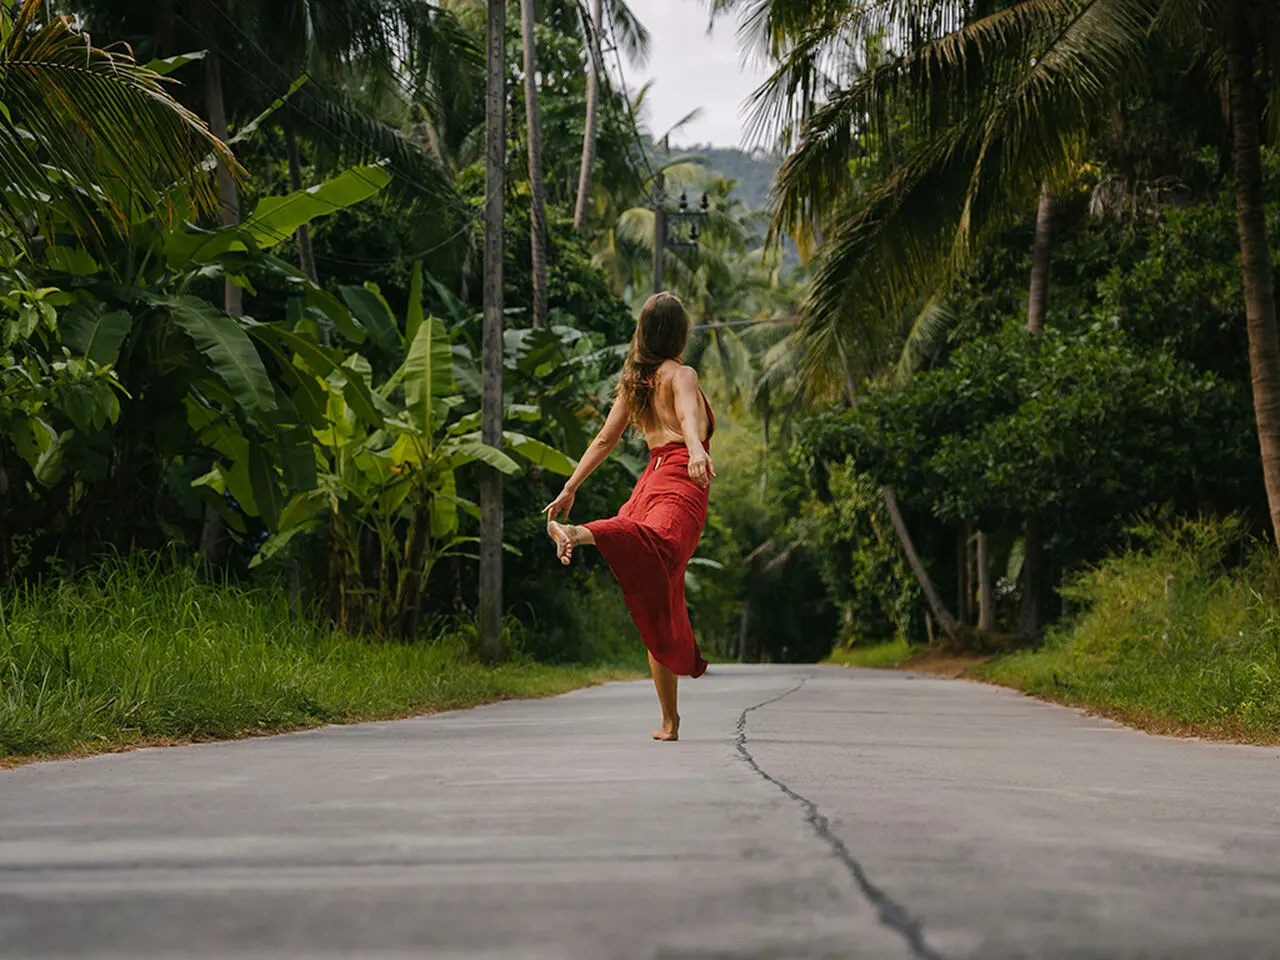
x=691, y=68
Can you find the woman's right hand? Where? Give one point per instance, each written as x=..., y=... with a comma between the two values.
x=700, y=469
x=558, y=509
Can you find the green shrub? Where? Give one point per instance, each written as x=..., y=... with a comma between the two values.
x=1184, y=630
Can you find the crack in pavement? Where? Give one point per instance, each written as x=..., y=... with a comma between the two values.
x=892, y=914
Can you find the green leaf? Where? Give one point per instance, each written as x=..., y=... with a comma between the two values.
x=251, y=128
x=466, y=451
x=274, y=544
x=301, y=508
x=311, y=353
x=414, y=316
x=228, y=348
x=266, y=491
x=358, y=395
x=76, y=400
x=275, y=219
x=428, y=373
x=193, y=247
x=48, y=468
x=373, y=313
x=332, y=307
x=166, y=65
x=94, y=334
x=444, y=507
x=72, y=260
x=547, y=457
x=297, y=457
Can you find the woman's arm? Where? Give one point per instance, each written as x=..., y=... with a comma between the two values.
x=615, y=425
x=688, y=401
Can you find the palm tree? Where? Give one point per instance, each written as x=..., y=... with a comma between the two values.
x=533, y=136
x=91, y=137
x=595, y=67
x=1001, y=96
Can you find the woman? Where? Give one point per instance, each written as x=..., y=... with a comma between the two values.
x=649, y=543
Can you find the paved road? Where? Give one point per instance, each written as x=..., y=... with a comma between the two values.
x=809, y=812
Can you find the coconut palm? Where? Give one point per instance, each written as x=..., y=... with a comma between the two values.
x=1001, y=98
x=91, y=137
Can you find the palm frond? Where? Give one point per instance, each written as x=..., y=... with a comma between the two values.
x=905, y=239
x=927, y=332
x=336, y=124
x=628, y=31
x=89, y=132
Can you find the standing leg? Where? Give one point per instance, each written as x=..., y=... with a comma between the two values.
x=666, y=682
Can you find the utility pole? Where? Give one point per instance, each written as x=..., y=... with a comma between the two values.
x=673, y=228
x=659, y=228
x=533, y=134
x=495, y=102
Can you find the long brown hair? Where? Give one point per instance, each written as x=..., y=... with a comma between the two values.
x=661, y=334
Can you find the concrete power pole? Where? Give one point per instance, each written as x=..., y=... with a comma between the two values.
x=495, y=101
x=659, y=228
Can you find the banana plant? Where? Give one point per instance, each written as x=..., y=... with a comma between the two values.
x=390, y=455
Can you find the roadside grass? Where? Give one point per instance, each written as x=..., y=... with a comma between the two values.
x=1206, y=664
x=143, y=651
x=893, y=654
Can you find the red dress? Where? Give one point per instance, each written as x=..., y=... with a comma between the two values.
x=648, y=545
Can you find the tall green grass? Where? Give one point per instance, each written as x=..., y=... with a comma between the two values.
x=894, y=653
x=1209, y=661
x=141, y=649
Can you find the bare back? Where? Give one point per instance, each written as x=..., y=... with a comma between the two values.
x=662, y=423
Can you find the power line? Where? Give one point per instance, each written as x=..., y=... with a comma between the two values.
x=346, y=130
x=633, y=123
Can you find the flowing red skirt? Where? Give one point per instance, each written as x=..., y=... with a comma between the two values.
x=648, y=545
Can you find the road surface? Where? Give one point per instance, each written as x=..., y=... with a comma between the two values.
x=808, y=812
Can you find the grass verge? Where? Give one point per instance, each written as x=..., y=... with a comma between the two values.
x=138, y=652
x=1180, y=637
x=884, y=655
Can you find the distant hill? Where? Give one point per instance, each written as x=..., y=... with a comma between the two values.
x=753, y=171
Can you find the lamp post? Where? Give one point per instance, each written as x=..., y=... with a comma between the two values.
x=674, y=228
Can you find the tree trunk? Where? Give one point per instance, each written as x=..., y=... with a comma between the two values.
x=596, y=68
x=1037, y=303
x=660, y=232
x=1038, y=297
x=1259, y=290
x=940, y=612
x=490, y=612
x=1031, y=614
x=764, y=467
x=964, y=588
x=986, y=595
x=306, y=261
x=228, y=195
x=537, y=200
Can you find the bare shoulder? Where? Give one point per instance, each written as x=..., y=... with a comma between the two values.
x=685, y=378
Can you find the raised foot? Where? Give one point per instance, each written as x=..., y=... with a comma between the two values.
x=564, y=539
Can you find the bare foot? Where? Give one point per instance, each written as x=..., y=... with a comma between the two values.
x=564, y=539
x=669, y=732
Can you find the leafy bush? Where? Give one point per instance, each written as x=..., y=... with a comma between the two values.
x=1210, y=659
